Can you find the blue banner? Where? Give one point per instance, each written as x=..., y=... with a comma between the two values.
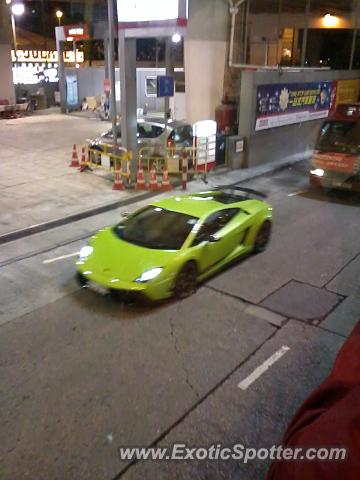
x=288, y=103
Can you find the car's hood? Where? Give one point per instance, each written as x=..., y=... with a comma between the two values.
x=113, y=257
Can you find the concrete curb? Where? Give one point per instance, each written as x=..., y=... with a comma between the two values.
x=42, y=227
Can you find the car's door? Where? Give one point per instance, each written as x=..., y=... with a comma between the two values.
x=150, y=138
x=217, y=237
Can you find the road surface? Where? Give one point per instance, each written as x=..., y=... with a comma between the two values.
x=82, y=375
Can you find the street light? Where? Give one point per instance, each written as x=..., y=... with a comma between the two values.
x=330, y=21
x=176, y=38
x=17, y=9
x=59, y=15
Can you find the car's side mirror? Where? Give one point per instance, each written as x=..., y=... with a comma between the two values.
x=213, y=239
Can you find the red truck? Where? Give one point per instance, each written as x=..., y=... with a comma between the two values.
x=336, y=157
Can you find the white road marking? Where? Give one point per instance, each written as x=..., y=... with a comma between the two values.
x=294, y=194
x=63, y=257
x=245, y=384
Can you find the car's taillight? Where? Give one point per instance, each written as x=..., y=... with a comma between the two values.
x=170, y=143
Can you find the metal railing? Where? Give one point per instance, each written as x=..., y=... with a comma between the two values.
x=172, y=157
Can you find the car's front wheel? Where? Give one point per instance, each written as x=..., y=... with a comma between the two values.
x=186, y=281
x=263, y=237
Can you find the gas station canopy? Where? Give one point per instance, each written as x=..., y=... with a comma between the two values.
x=151, y=18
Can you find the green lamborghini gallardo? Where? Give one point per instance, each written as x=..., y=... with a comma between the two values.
x=170, y=246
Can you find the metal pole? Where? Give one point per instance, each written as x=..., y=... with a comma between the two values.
x=14, y=35
x=305, y=34
x=267, y=44
x=106, y=56
x=169, y=64
x=233, y=12
x=112, y=68
x=74, y=50
x=353, y=44
x=59, y=35
x=246, y=34
x=15, y=48
x=278, y=60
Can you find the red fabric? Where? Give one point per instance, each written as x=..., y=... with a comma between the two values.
x=330, y=417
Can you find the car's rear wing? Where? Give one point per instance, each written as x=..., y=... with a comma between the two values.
x=235, y=188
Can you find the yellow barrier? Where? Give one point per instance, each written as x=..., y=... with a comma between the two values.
x=107, y=160
x=172, y=156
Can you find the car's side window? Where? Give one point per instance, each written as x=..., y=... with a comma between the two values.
x=177, y=135
x=182, y=135
x=188, y=134
x=214, y=223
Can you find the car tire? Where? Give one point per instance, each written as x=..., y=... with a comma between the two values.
x=186, y=281
x=263, y=237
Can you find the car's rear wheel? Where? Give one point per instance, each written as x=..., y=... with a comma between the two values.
x=186, y=281
x=263, y=237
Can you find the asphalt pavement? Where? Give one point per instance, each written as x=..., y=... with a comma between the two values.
x=82, y=375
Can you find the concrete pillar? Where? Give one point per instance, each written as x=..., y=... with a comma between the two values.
x=60, y=38
x=128, y=100
x=205, y=56
x=7, y=90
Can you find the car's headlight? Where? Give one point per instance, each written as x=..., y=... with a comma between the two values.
x=149, y=275
x=85, y=252
x=319, y=172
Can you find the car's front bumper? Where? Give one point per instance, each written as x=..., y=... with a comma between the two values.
x=337, y=182
x=157, y=289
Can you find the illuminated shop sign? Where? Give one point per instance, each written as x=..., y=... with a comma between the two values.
x=45, y=56
x=76, y=32
x=29, y=74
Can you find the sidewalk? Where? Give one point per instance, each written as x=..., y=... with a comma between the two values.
x=36, y=182
x=37, y=185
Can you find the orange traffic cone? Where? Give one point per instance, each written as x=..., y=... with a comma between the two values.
x=153, y=179
x=166, y=186
x=83, y=165
x=140, y=183
x=74, y=160
x=118, y=183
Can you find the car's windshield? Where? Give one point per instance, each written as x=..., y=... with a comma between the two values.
x=156, y=228
x=341, y=137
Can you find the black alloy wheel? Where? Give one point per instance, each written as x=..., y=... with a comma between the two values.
x=263, y=237
x=186, y=282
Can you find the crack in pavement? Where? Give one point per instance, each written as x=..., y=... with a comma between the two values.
x=177, y=349
x=200, y=401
